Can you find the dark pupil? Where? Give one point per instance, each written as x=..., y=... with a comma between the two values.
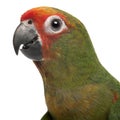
x=56, y=24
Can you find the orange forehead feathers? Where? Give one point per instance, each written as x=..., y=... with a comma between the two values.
x=41, y=13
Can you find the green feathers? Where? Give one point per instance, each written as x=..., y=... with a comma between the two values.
x=77, y=86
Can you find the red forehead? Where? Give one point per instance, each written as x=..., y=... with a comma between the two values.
x=41, y=13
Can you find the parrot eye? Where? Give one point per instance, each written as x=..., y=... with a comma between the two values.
x=54, y=24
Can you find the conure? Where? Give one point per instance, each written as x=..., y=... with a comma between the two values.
x=76, y=85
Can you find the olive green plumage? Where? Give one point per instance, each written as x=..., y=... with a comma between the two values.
x=77, y=86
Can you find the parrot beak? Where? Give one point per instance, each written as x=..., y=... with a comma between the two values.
x=28, y=37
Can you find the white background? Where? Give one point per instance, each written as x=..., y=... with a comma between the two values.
x=21, y=87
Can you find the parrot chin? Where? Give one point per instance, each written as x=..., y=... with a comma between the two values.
x=27, y=36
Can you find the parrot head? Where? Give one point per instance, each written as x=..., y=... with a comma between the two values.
x=47, y=33
x=38, y=30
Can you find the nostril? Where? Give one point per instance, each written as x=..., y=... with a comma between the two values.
x=29, y=21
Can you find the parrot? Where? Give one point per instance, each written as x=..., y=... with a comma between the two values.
x=76, y=85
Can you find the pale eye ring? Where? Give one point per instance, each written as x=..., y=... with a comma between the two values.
x=54, y=24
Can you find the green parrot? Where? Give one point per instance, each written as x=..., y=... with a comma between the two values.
x=76, y=85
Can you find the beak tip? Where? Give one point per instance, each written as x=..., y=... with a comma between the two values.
x=16, y=48
x=16, y=53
